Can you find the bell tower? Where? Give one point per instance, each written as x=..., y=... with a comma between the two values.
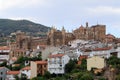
x=63, y=34
x=87, y=32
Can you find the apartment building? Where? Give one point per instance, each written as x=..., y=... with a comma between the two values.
x=56, y=63
x=38, y=68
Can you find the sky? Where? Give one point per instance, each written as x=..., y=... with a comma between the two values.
x=68, y=13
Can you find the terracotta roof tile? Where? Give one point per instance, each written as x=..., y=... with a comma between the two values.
x=13, y=72
x=4, y=48
x=41, y=62
x=101, y=49
x=56, y=55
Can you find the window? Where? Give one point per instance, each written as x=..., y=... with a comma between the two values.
x=60, y=68
x=1, y=73
x=60, y=65
x=44, y=65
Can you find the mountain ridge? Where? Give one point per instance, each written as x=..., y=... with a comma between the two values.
x=8, y=26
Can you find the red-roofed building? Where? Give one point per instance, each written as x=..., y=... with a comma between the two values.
x=109, y=38
x=13, y=72
x=11, y=75
x=4, y=49
x=102, y=49
x=56, y=55
x=57, y=62
x=81, y=57
x=4, y=53
x=38, y=68
x=102, y=52
x=41, y=62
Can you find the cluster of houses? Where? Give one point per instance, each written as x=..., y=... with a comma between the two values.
x=54, y=59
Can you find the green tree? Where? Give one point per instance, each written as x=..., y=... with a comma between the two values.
x=35, y=78
x=70, y=66
x=38, y=78
x=114, y=61
x=47, y=75
x=80, y=74
x=118, y=77
x=83, y=65
x=101, y=78
x=22, y=60
x=36, y=58
x=87, y=76
x=3, y=64
x=16, y=77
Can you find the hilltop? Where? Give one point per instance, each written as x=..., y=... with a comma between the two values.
x=8, y=26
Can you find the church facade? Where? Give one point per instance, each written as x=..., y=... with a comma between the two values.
x=57, y=38
x=96, y=32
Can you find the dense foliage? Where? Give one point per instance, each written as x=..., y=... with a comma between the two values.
x=70, y=66
x=114, y=62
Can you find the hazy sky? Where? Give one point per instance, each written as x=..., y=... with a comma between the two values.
x=68, y=13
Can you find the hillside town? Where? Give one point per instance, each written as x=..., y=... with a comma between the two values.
x=86, y=53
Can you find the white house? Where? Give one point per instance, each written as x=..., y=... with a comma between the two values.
x=27, y=71
x=4, y=53
x=56, y=63
x=76, y=43
x=102, y=52
x=118, y=52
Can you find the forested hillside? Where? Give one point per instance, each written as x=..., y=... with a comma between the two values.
x=8, y=26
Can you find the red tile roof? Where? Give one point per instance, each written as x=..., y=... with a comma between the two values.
x=4, y=48
x=13, y=72
x=41, y=62
x=20, y=50
x=26, y=68
x=83, y=57
x=56, y=55
x=101, y=49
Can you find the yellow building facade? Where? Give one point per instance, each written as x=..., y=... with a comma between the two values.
x=95, y=62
